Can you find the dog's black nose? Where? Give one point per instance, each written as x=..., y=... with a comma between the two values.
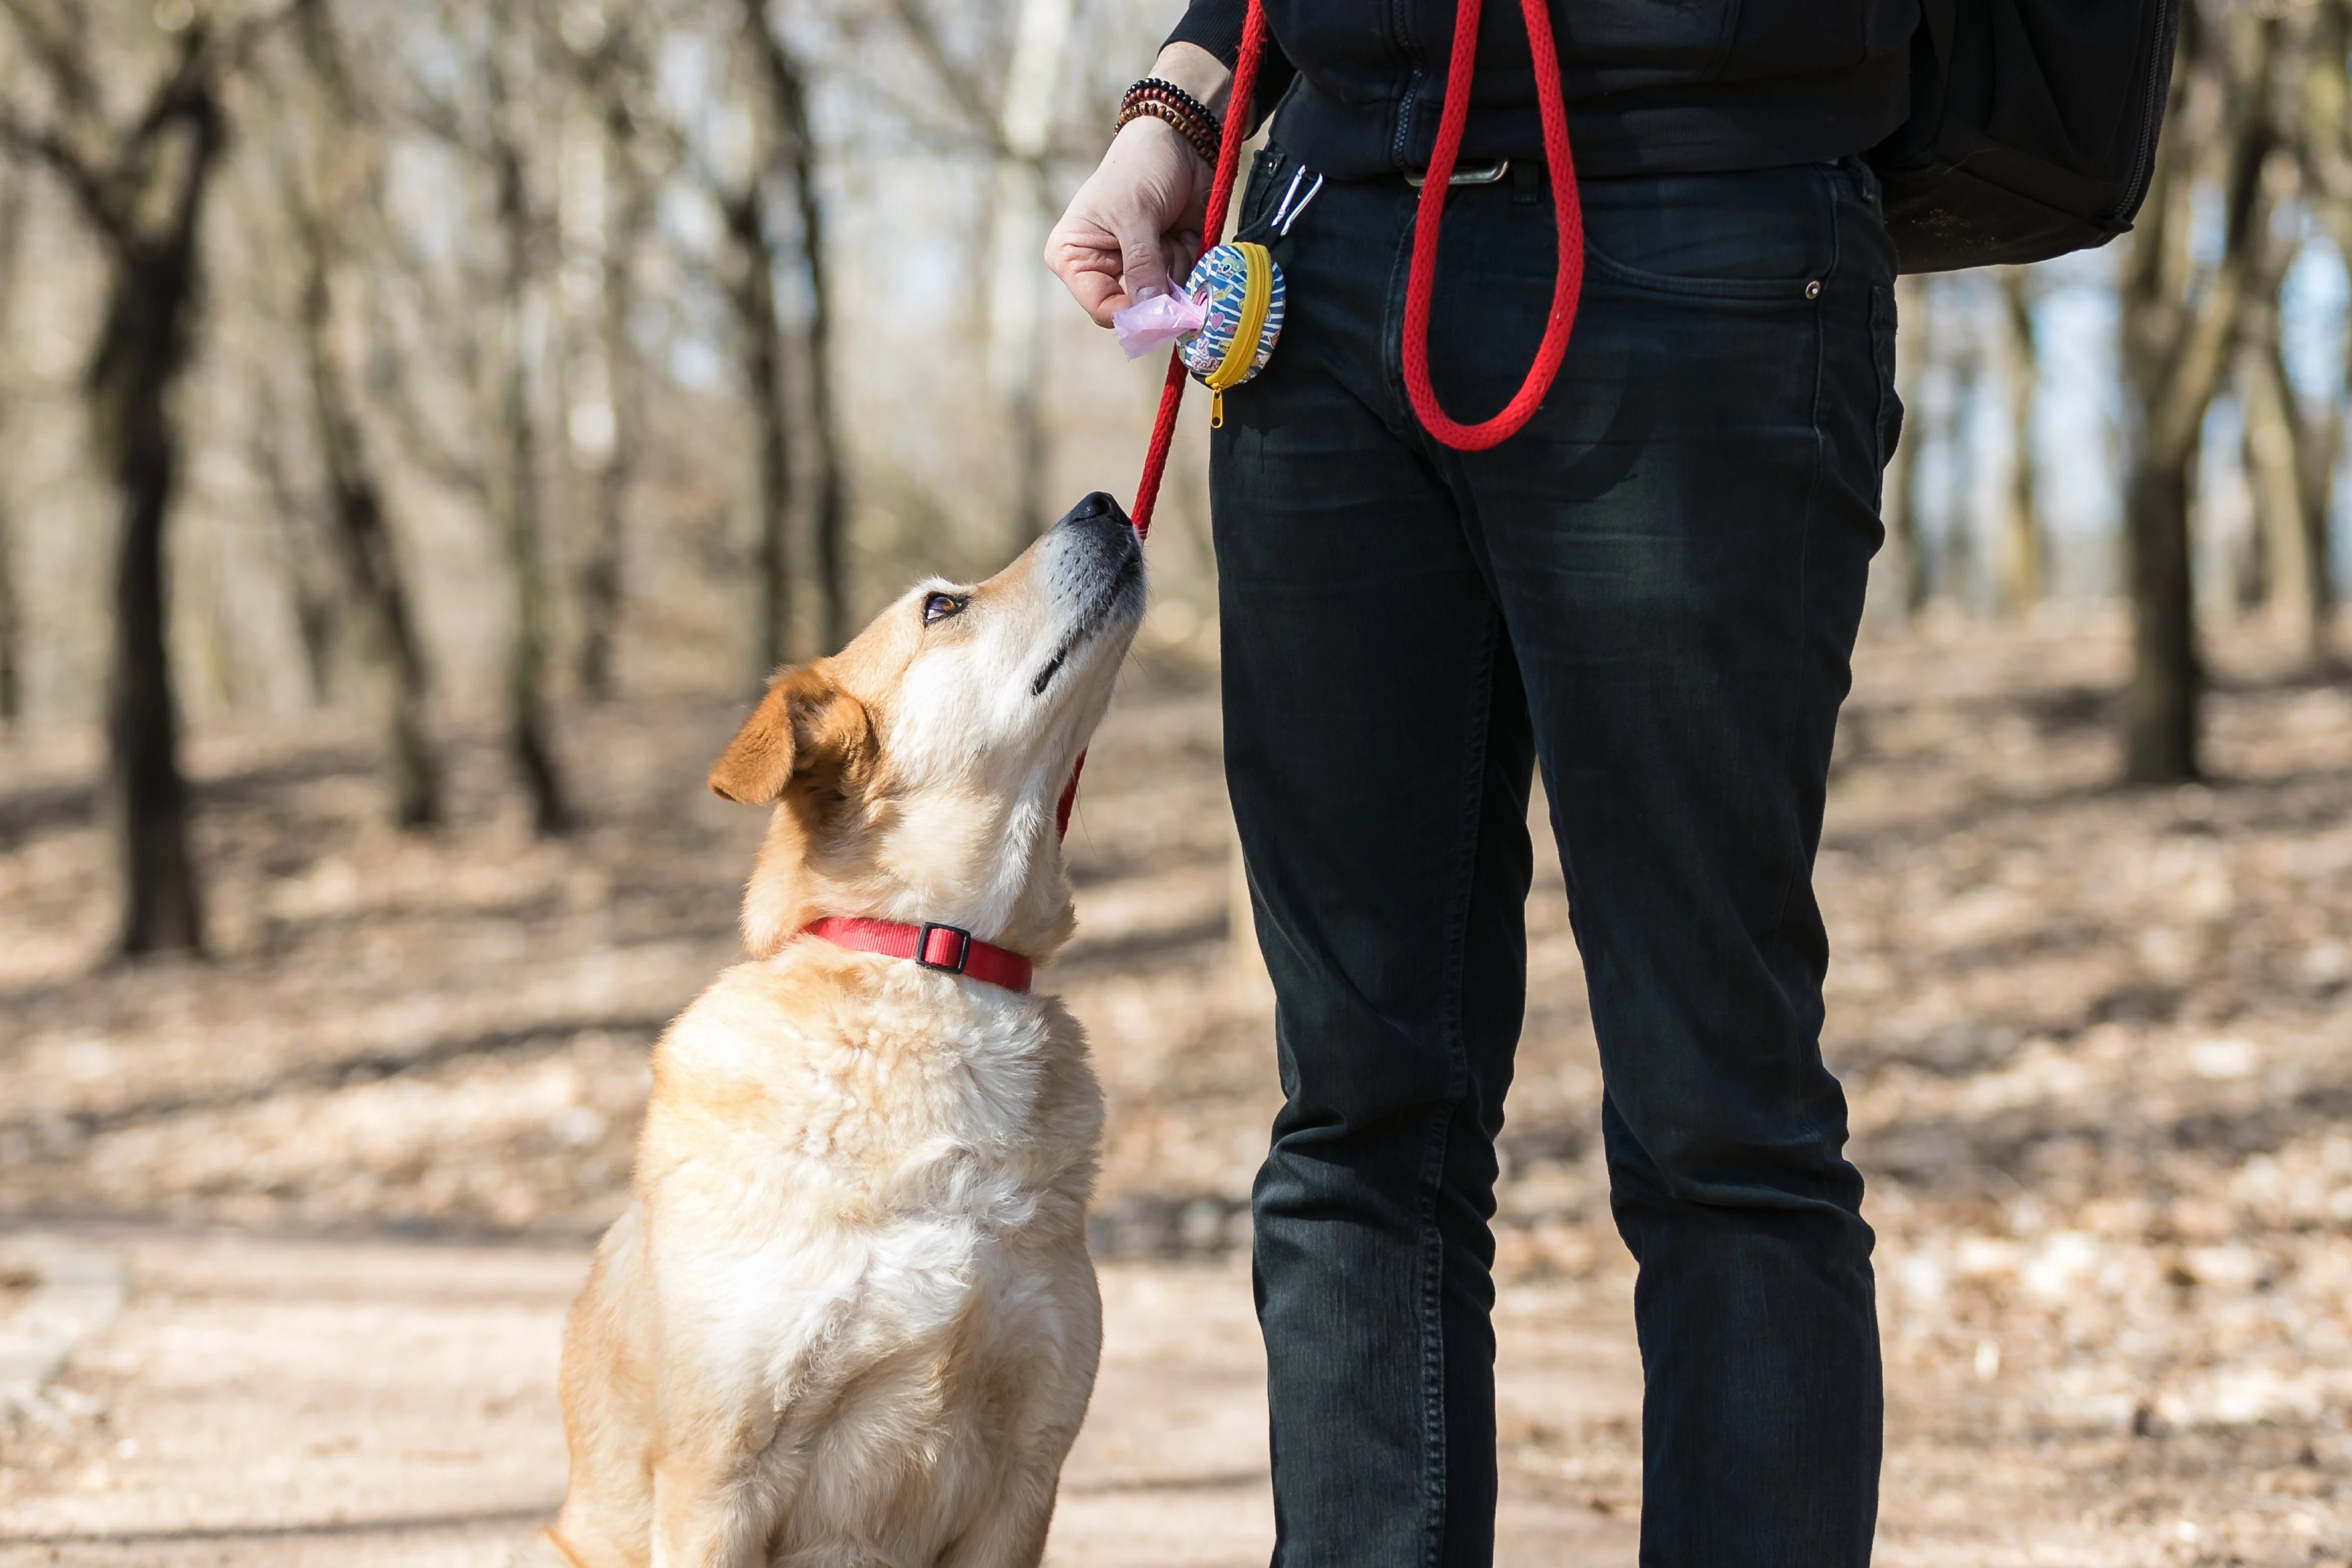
x=1097, y=511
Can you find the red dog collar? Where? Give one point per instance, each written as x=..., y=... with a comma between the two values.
x=934, y=947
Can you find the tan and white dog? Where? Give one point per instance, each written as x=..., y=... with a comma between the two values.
x=848, y=1319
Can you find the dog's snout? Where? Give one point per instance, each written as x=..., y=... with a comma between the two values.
x=1097, y=511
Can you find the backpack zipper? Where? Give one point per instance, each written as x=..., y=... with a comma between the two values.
x=2151, y=121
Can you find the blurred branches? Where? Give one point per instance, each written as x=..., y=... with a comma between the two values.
x=518, y=357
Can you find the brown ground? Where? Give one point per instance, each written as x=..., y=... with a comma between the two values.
x=2099, y=1045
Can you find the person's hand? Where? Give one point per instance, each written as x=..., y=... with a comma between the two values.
x=1135, y=224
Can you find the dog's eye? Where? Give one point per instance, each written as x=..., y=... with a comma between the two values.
x=940, y=606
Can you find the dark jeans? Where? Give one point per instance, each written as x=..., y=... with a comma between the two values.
x=1653, y=593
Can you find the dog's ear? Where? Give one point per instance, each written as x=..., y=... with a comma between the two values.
x=806, y=731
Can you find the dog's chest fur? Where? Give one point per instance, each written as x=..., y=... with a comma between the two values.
x=862, y=1192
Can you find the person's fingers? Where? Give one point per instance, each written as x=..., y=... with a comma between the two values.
x=1142, y=271
x=1086, y=256
x=1097, y=294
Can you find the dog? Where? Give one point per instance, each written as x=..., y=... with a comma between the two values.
x=848, y=1319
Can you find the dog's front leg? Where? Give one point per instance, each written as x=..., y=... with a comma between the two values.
x=1011, y=1534
x=711, y=1512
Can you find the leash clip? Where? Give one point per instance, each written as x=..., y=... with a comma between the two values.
x=923, y=947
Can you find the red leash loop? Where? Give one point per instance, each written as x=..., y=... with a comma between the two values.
x=1567, y=280
x=1567, y=218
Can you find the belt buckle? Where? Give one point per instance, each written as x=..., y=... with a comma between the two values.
x=923, y=947
x=1476, y=175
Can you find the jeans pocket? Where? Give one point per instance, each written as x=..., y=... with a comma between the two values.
x=1266, y=170
x=1769, y=235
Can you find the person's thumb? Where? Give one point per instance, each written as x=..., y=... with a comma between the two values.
x=1142, y=274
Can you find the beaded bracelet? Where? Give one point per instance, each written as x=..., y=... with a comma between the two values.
x=1167, y=102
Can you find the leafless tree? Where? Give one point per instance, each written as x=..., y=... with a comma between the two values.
x=330, y=181
x=1914, y=347
x=13, y=190
x=519, y=227
x=312, y=586
x=614, y=76
x=1000, y=105
x=2022, y=550
x=2317, y=110
x=2180, y=318
x=785, y=80
x=483, y=320
x=772, y=237
x=748, y=211
x=140, y=185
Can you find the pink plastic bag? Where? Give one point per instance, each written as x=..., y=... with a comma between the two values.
x=1156, y=322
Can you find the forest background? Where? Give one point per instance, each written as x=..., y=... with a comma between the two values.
x=423, y=424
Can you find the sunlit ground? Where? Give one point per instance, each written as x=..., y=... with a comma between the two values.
x=2098, y=1045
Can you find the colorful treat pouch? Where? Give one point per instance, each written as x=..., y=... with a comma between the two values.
x=1233, y=288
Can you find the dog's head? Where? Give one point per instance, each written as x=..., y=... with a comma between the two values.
x=914, y=773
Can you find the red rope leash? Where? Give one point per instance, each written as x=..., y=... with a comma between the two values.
x=1567, y=219
x=1171, y=391
x=1567, y=280
x=1213, y=229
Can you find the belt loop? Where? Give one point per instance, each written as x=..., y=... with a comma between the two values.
x=1527, y=183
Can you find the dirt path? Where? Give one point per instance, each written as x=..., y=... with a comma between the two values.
x=267, y=1402
x=279, y=1401
x=2098, y=1045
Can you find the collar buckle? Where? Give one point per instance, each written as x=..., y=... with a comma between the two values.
x=960, y=955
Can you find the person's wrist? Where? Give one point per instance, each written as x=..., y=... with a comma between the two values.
x=1155, y=99
x=1197, y=71
x=1149, y=135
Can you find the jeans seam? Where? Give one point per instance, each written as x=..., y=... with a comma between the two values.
x=1457, y=1084
x=1798, y=683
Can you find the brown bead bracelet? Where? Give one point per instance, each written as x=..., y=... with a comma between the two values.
x=1171, y=104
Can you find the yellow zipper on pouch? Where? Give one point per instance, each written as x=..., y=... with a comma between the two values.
x=1257, y=294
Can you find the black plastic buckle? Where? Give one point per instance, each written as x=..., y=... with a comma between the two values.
x=923, y=946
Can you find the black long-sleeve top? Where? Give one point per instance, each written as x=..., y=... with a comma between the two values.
x=1652, y=86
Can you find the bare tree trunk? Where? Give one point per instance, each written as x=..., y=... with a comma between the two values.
x=2160, y=730
x=12, y=624
x=1022, y=215
x=2022, y=553
x=143, y=190
x=375, y=584
x=629, y=210
x=2317, y=38
x=1914, y=348
x=527, y=737
x=140, y=349
x=2275, y=464
x=2179, y=329
x=784, y=83
x=831, y=520
x=317, y=615
x=760, y=345
x=1960, y=565
x=371, y=565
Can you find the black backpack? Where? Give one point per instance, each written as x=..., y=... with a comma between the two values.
x=2032, y=129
